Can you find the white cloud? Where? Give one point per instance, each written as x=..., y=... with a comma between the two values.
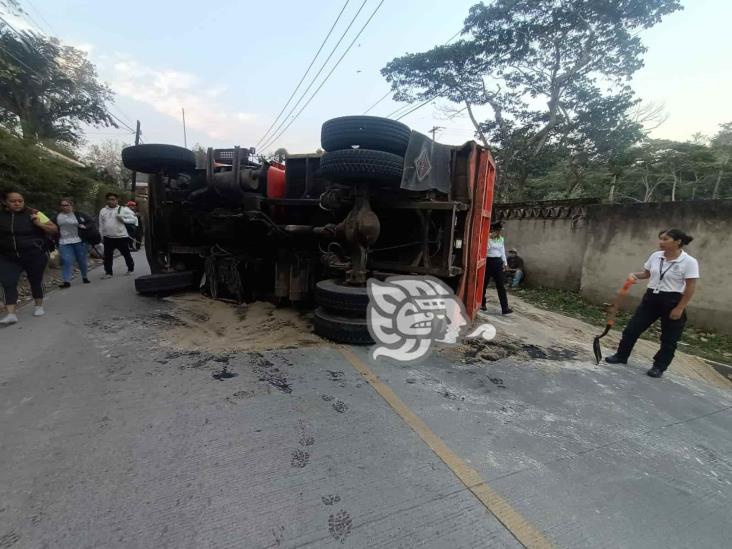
x=167, y=90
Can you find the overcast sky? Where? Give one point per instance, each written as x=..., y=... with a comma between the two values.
x=233, y=64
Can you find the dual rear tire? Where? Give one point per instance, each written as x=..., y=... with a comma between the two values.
x=364, y=149
x=341, y=313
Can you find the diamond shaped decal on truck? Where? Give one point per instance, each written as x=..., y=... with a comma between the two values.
x=422, y=163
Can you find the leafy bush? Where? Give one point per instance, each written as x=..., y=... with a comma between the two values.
x=44, y=179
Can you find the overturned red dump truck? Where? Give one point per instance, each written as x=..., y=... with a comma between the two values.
x=382, y=200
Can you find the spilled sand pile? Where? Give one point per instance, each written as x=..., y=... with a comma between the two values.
x=208, y=325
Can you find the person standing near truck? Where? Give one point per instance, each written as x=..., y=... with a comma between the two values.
x=137, y=235
x=113, y=221
x=495, y=267
x=25, y=237
x=71, y=246
x=672, y=275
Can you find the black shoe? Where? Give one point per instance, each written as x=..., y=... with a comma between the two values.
x=615, y=359
x=65, y=285
x=507, y=311
x=654, y=372
x=483, y=307
x=86, y=281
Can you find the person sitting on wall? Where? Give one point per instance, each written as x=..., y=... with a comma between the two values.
x=516, y=271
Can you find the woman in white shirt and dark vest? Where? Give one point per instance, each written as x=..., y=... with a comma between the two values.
x=673, y=274
x=496, y=264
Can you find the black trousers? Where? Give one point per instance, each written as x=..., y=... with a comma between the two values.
x=121, y=244
x=494, y=270
x=33, y=263
x=653, y=307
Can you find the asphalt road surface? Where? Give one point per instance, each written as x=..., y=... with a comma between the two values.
x=108, y=439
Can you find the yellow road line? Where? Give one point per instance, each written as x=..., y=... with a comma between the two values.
x=525, y=532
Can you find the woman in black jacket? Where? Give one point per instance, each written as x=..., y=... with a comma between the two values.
x=24, y=237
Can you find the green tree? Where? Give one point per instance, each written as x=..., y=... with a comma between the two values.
x=44, y=178
x=106, y=159
x=668, y=170
x=721, y=145
x=550, y=71
x=280, y=155
x=201, y=155
x=47, y=89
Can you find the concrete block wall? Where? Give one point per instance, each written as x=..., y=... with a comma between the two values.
x=553, y=250
x=594, y=254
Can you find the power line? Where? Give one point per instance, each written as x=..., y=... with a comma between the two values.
x=24, y=39
x=417, y=107
x=366, y=24
x=322, y=45
x=42, y=54
x=322, y=67
x=379, y=101
x=11, y=54
x=119, y=132
x=403, y=107
x=48, y=25
x=30, y=19
x=453, y=37
x=120, y=120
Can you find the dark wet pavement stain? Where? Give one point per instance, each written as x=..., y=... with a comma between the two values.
x=477, y=350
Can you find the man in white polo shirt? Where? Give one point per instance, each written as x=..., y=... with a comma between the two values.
x=673, y=274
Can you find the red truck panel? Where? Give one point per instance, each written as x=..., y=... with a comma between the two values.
x=481, y=179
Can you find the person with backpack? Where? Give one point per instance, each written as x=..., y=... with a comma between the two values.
x=137, y=233
x=76, y=231
x=113, y=221
x=25, y=240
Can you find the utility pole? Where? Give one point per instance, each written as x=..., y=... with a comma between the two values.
x=185, y=138
x=433, y=131
x=134, y=174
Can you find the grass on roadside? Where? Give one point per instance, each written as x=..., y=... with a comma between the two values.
x=704, y=343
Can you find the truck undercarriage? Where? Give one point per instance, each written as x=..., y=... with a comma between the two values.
x=311, y=232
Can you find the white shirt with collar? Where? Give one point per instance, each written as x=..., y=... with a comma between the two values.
x=675, y=273
x=496, y=248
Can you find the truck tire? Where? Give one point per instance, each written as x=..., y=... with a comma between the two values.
x=341, y=329
x=336, y=297
x=164, y=282
x=154, y=158
x=366, y=132
x=362, y=165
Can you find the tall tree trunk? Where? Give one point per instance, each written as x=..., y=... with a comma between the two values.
x=715, y=193
x=29, y=129
x=476, y=125
x=611, y=196
x=673, y=189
